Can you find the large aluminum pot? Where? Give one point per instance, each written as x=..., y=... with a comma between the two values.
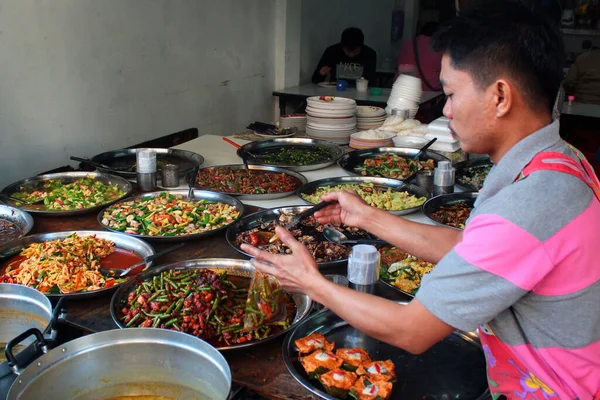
x=127, y=362
x=22, y=308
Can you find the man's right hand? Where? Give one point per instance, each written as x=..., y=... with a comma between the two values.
x=347, y=208
x=324, y=70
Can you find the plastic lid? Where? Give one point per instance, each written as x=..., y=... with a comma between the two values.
x=363, y=265
x=146, y=161
x=444, y=165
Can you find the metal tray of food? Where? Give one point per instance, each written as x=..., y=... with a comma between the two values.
x=300, y=180
x=252, y=149
x=139, y=247
x=385, y=264
x=435, y=203
x=381, y=183
x=23, y=223
x=255, y=220
x=233, y=267
x=462, y=172
x=349, y=162
x=123, y=161
x=454, y=368
x=65, y=177
x=198, y=195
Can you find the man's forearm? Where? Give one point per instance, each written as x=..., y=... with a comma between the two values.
x=427, y=242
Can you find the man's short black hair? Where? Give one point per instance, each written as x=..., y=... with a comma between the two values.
x=496, y=38
x=429, y=28
x=352, y=38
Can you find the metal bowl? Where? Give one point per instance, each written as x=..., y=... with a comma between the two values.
x=266, y=196
x=198, y=195
x=124, y=160
x=383, y=183
x=120, y=362
x=233, y=267
x=461, y=169
x=253, y=220
x=67, y=177
x=435, y=203
x=22, y=219
x=121, y=240
x=249, y=151
x=453, y=368
x=349, y=162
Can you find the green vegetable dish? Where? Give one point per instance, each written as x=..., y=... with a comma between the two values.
x=384, y=198
x=80, y=194
x=168, y=215
x=294, y=156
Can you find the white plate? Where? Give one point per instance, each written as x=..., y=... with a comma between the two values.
x=328, y=85
x=332, y=101
x=369, y=111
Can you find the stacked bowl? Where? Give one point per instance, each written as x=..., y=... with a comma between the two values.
x=406, y=95
x=293, y=121
x=369, y=117
x=373, y=138
x=331, y=118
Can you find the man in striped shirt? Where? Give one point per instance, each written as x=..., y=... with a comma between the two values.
x=525, y=270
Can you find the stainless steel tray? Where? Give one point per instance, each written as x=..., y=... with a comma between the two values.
x=234, y=267
x=267, y=196
x=22, y=219
x=434, y=204
x=395, y=184
x=462, y=166
x=349, y=162
x=254, y=220
x=252, y=148
x=198, y=195
x=123, y=241
x=67, y=177
x=123, y=161
x=454, y=368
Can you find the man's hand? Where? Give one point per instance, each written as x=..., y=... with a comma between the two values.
x=324, y=70
x=348, y=208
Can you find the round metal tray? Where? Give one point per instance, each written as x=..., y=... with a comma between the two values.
x=454, y=368
x=349, y=162
x=252, y=148
x=462, y=166
x=22, y=219
x=234, y=267
x=434, y=204
x=198, y=195
x=383, y=183
x=254, y=220
x=67, y=177
x=266, y=196
x=124, y=160
x=138, y=246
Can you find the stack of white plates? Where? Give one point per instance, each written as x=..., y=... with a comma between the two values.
x=440, y=130
x=293, y=121
x=406, y=95
x=368, y=117
x=331, y=118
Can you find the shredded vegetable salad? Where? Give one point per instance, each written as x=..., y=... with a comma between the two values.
x=168, y=215
x=242, y=181
x=62, y=266
x=390, y=165
x=386, y=199
x=82, y=193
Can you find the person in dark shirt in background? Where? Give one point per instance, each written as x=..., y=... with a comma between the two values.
x=350, y=59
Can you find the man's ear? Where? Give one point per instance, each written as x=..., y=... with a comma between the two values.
x=503, y=93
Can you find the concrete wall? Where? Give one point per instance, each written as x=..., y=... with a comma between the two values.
x=78, y=77
x=324, y=21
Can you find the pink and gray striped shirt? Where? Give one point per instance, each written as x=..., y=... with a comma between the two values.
x=528, y=272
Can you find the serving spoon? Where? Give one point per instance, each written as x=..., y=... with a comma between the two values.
x=338, y=237
x=120, y=273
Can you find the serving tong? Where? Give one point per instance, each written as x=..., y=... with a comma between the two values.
x=304, y=214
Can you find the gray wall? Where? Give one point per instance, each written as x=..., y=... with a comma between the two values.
x=324, y=20
x=78, y=77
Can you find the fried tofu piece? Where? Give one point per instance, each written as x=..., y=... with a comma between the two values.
x=316, y=341
x=367, y=388
x=378, y=370
x=353, y=357
x=320, y=362
x=338, y=382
